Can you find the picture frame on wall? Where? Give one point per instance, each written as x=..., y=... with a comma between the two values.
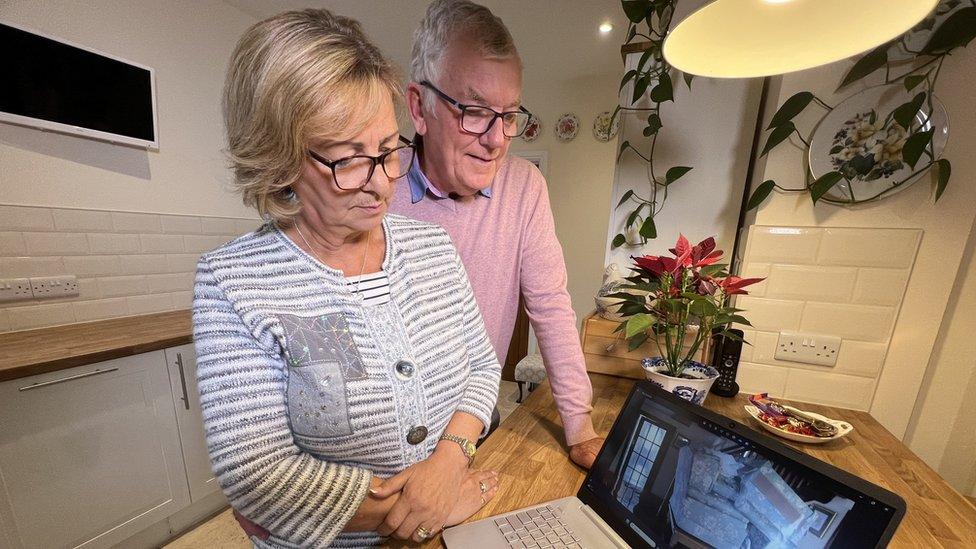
x=539, y=158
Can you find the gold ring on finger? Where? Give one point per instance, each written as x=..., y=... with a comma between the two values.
x=423, y=533
x=483, y=487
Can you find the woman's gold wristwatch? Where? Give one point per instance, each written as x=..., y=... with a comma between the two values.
x=466, y=445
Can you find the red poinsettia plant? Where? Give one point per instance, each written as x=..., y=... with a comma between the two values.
x=681, y=300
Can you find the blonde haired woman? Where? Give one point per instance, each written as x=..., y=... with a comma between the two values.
x=337, y=345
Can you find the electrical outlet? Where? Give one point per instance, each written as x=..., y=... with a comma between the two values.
x=15, y=289
x=49, y=287
x=807, y=348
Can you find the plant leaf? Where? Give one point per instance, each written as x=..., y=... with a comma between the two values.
x=675, y=173
x=627, y=78
x=957, y=30
x=653, y=125
x=631, y=33
x=663, y=91
x=945, y=170
x=823, y=184
x=760, y=194
x=625, y=197
x=648, y=229
x=637, y=324
x=623, y=147
x=777, y=136
x=618, y=241
x=913, y=80
x=792, y=107
x=633, y=216
x=702, y=308
x=635, y=9
x=643, y=59
x=635, y=342
x=915, y=146
x=640, y=87
x=905, y=113
x=872, y=61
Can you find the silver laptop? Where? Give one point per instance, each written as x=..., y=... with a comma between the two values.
x=672, y=474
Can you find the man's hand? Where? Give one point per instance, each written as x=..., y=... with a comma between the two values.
x=251, y=528
x=584, y=453
x=429, y=492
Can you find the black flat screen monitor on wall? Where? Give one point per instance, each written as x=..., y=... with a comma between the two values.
x=50, y=84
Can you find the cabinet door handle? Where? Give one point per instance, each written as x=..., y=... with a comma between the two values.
x=64, y=379
x=179, y=364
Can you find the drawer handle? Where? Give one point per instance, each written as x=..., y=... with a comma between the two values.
x=64, y=379
x=179, y=364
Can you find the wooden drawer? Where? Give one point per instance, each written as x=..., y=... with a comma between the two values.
x=606, y=352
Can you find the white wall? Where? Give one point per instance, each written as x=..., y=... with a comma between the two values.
x=188, y=43
x=946, y=229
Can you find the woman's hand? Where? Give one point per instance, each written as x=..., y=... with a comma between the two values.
x=472, y=498
x=429, y=492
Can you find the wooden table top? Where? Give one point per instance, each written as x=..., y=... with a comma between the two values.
x=45, y=350
x=528, y=451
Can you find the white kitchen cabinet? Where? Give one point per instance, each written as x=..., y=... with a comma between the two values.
x=89, y=455
x=182, y=366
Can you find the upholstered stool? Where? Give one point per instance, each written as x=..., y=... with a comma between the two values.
x=529, y=370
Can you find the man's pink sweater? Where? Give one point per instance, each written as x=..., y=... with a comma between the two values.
x=508, y=245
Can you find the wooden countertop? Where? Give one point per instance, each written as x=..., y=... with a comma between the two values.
x=45, y=350
x=528, y=451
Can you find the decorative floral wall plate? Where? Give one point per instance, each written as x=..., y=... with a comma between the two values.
x=603, y=130
x=532, y=129
x=567, y=127
x=860, y=139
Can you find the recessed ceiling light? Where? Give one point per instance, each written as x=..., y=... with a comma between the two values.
x=605, y=28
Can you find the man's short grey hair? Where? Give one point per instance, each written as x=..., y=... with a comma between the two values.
x=448, y=20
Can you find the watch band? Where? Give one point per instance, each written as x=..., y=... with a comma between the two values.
x=466, y=445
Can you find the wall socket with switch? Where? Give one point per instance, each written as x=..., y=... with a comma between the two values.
x=807, y=348
x=41, y=287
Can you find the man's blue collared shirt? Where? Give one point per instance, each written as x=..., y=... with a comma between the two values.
x=419, y=185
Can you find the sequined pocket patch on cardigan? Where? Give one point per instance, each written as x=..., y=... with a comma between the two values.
x=322, y=357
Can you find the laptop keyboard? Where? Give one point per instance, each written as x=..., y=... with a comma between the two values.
x=539, y=528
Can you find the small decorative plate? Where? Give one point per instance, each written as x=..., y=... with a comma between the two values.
x=532, y=129
x=843, y=428
x=860, y=129
x=567, y=127
x=603, y=130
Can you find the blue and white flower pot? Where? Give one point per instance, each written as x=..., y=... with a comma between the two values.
x=693, y=389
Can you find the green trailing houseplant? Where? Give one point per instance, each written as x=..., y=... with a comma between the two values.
x=903, y=140
x=649, y=22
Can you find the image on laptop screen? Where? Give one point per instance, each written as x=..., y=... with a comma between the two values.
x=683, y=481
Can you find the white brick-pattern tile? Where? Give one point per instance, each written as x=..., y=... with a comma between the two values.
x=37, y=316
x=810, y=283
x=126, y=263
x=22, y=218
x=56, y=244
x=82, y=221
x=124, y=222
x=181, y=224
x=838, y=281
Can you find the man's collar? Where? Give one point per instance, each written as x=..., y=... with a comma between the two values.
x=420, y=184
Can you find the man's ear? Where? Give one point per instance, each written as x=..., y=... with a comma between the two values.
x=415, y=104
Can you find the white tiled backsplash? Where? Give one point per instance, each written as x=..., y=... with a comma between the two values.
x=846, y=282
x=126, y=263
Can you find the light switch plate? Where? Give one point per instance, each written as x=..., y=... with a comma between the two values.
x=15, y=289
x=807, y=348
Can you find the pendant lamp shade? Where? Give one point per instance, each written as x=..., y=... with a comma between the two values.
x=748, y=38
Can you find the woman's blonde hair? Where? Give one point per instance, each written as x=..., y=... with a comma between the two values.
x=293, y=76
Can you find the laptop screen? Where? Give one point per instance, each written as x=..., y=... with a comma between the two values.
x=675, y=475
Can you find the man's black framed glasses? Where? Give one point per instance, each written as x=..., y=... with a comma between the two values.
x=478, y=119
x=353, y=172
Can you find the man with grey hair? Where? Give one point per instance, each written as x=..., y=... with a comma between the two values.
x=465, y=101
